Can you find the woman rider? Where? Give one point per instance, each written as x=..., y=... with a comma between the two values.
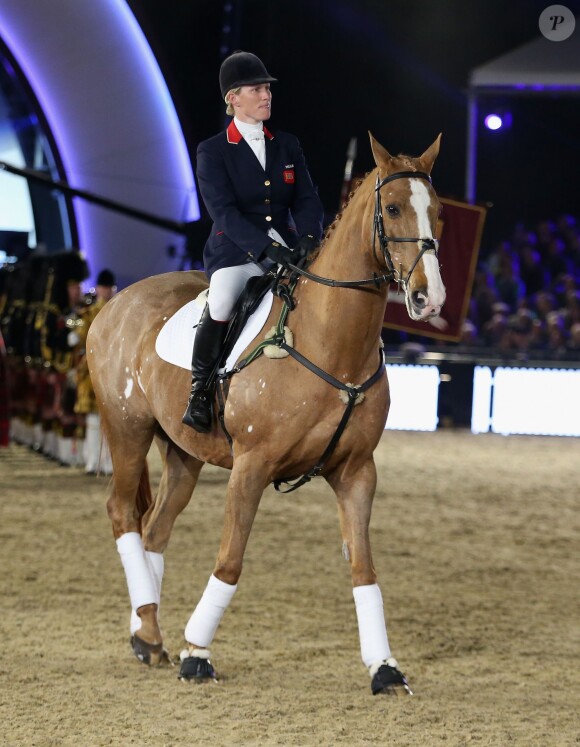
x=259, y=194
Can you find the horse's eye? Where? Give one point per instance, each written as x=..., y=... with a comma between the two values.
x=393, y=211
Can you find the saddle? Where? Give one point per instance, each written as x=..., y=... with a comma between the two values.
x=249, y=300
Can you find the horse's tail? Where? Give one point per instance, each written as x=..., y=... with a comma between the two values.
x=144, y=495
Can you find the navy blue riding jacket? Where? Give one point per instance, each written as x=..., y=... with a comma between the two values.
x=245, y=201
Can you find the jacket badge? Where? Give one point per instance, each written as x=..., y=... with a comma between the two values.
x=288, y=175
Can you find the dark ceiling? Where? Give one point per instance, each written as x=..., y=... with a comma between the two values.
x=396, y=67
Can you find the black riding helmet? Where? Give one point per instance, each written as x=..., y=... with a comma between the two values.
x=242, y=69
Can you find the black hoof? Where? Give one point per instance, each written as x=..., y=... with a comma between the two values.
x=388, y=680
x=197, y=669
x=152, y=654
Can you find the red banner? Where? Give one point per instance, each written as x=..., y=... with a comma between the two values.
x=459, y=233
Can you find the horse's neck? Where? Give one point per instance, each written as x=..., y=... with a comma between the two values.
x=345, y=322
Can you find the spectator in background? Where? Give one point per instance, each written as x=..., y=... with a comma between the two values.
x=65, y=424
x=495, y=331
x=4, y=403
x=483, y=297
x=97, y=457
x=544, y=303
x=555, y=261
x=545, y=232
x=566, y=287
x=574, y=338
x=555, y=335
x=573, y=249
x=525, y=293
x=521, y=326
x=469, y=335
x=567, y=227
x=522, y=237
x=571, y=308
x=534, y=276
x=510, y=288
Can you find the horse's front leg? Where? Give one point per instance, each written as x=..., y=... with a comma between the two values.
x=355, y=492
x=245, y=488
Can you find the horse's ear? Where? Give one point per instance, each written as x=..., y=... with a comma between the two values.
x=428, y=158
x=381, y=155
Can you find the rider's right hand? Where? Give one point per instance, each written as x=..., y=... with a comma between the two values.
x=280, y=254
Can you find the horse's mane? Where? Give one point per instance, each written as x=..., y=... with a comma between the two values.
x=330, y=229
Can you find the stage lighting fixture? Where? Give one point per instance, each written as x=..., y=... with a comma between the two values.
x=498, y=121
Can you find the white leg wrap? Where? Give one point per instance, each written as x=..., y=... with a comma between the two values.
x=374, y=644
x=156, y=564
x=135, y=622
x=206, y=617
x=142, y=587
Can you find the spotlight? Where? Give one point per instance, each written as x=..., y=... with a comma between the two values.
x=497, y=121
x=493, y=122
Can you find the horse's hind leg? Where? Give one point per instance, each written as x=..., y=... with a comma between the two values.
x=355, y=492
x=179, y=478
x=129, y=499
x=180, y=474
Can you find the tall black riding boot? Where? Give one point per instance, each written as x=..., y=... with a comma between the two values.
x=206, y=350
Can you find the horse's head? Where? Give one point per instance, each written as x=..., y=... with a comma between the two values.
x=406, y=211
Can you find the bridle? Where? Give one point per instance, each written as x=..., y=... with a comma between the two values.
x=427, y=244
x=393, y=274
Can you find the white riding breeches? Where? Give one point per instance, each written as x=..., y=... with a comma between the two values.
x=226, y=286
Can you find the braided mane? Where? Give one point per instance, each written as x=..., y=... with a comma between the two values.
x=406, y=163
x=330, y=229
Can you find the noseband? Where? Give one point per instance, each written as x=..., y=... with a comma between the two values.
x=427, y=245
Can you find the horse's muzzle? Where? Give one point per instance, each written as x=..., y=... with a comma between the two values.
x=421, y=307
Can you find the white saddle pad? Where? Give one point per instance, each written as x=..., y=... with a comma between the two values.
x=174, y=342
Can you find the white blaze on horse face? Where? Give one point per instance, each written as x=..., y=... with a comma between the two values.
x=420, y=201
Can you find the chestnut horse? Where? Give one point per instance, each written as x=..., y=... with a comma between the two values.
x=281, y=415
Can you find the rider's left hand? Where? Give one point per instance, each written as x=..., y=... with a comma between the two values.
x=305, y=246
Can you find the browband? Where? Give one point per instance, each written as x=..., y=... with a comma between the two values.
x=404, y=175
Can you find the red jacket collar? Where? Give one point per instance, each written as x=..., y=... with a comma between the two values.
x=234, y=135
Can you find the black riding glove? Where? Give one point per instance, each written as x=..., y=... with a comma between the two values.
x=305, y=246
x=280, y=254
